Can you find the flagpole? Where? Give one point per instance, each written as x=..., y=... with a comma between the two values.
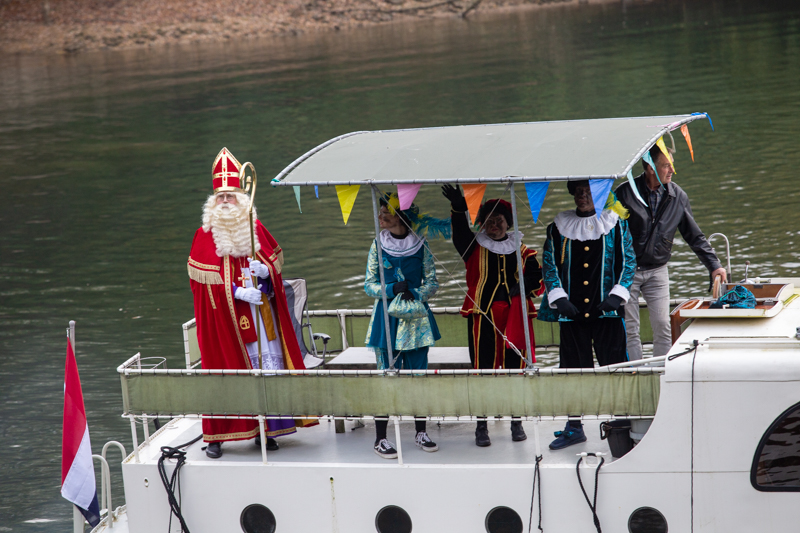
x=77, y=517
x=523, y=294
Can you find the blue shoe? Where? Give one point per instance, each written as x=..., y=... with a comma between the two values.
x=568, y=437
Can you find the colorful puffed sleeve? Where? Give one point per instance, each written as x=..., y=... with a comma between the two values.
x=429, y=282
x=372, y=281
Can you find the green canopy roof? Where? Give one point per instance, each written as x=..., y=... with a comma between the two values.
x=526, y=151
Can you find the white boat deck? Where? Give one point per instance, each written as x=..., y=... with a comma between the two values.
x=321, y=444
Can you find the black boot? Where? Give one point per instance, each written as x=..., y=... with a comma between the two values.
x=517, y=433
x=482, y=435
x=214, y=450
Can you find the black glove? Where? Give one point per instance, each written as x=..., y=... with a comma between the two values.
x=611, y=303
x=407, y=295
x=399, y=287
x=566, y=308
x=514, y=290
x=457, y=202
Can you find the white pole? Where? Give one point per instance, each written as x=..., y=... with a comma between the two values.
x=522, y=291
x=397, y=438
x=263, y=439
x=375, y=211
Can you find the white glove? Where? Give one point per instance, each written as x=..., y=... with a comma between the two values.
x=248, y=294
x=258, y=269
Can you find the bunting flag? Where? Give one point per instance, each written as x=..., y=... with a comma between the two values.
x=406, y=194
x=473, y=194
x=685, y=131
x=78, y=483
x=649, y=160
x=663, y=148
x=600, y=189
x=634, y=189
x=709, y=119
x=297, y=196
x=536, y=193
x=347, y=198
x=316, y=191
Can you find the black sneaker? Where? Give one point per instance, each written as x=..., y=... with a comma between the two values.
x=482, y=436
x=517, y=433
x=214, y=450
x=424, y=442
x=385, y=449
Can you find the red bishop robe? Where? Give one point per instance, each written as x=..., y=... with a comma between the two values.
x=225, y=324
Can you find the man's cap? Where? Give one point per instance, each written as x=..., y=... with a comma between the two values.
x=225, y=173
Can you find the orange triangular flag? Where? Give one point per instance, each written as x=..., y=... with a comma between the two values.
x=685, y=131
x=473, y=194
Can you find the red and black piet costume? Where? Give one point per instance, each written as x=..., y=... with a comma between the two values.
x=488, y=306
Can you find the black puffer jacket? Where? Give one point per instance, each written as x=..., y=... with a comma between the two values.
x=653, y=234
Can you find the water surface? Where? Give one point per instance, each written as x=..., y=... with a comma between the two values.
x=106, y=158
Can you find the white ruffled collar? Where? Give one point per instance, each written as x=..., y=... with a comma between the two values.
x=571, y=226
x=400, y=247
x=504, y=247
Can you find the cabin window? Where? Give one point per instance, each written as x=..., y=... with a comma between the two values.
x=776, y=465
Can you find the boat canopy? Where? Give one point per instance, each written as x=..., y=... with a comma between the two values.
x=526, y=151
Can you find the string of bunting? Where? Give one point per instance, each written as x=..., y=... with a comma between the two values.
x=535, y=191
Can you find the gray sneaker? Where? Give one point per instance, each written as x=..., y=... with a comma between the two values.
x=424, y=442
x=385, y=449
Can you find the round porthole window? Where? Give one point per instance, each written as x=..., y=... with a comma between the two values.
x=393, y=519
x=647, y=520
x=503, y=520
x=257, y=519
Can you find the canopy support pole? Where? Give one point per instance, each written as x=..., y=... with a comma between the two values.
x=523, y=293
x=375, y=210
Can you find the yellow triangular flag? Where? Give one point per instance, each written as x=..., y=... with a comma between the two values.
x=473, y=194
x=663, y=148
x=685, y=131
x=347, y=198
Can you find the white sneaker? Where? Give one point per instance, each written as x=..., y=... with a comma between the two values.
x=424, y=442
x=385, y=449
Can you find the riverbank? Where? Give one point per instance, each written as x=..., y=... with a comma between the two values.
x=70, y=26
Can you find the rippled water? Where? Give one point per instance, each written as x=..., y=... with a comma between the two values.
x=105, y=161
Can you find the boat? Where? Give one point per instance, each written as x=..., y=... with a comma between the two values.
x=704, y=439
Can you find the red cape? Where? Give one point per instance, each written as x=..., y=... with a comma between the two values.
x=225, y=324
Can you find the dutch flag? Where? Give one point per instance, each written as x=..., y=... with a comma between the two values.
x=77, y=468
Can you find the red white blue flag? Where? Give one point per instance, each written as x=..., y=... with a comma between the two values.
x=77, y=467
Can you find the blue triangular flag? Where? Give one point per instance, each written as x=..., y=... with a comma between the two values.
x=708, y=117
x=297, y=196
x=600, y=189
x=316, y=191
x=633, y=187
x=536, y=193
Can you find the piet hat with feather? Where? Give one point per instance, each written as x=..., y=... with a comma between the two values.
x=422, y=224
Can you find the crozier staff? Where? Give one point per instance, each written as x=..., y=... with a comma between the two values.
x=227, y=305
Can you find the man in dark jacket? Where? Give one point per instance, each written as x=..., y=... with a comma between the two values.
x=653, y=228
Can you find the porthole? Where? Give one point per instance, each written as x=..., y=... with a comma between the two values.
x=776, y=464
x=393, y=519
x=257, y=519
x=647, y=520
x=503, y=520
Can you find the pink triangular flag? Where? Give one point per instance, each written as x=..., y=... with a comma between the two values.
x=406, y=192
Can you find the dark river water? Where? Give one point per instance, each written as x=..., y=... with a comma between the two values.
x=105, y=161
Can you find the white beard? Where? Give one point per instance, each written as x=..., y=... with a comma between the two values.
x=230, y=226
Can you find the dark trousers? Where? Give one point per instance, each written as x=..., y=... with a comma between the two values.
x=607, y=335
